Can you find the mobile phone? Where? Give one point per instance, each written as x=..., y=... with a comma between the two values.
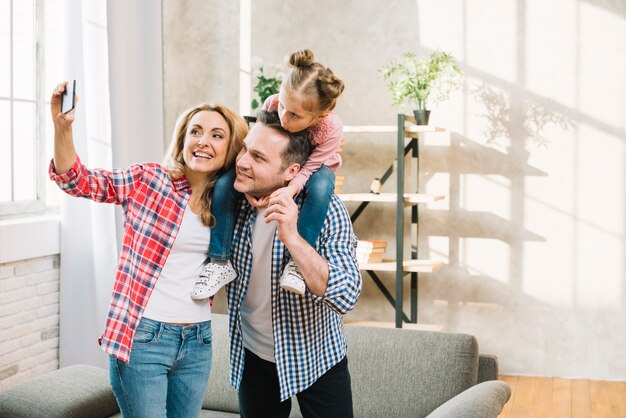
x=67, y=99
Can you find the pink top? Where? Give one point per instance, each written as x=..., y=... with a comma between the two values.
x=325, y=137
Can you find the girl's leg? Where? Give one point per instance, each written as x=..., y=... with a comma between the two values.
x=224, y=208
x=318, y=192
x=219, y=271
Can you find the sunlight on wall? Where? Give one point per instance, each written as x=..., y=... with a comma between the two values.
x=438, y=249
x=600, y=163
x=546, y=114
x=438, y=184
x=602, y=86
x=488, y=114
x=245, y=54
x=486, y=194
x=441, y=20
x=550, y=54
x=492, y=51
x=486, y=257
x=598, y=269
x=600, y=218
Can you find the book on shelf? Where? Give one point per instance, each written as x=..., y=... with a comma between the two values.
x=369, y=259
x=338, y=183
x=371, y=243
x=370, y=251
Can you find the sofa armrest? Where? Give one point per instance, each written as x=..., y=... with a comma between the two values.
x=484, y=400
x=487, y=368
x=71, y=392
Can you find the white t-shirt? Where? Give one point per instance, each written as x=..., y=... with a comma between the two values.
x=170, y=300
x=256, y=308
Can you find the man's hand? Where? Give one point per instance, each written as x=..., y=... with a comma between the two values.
x=284, y=211
x=257, y=202
x=313, y=267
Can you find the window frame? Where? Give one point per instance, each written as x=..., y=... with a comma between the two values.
x=38, y=204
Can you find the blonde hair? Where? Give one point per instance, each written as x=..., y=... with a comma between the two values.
x=313, y=80
x=175, y=164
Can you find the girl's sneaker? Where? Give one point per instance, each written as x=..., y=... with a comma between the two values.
x=212, y=278
x=292, y=280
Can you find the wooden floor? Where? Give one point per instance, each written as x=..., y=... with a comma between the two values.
x=539, y=397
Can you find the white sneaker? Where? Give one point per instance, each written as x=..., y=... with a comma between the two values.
x=212, y=278
x=292, y=280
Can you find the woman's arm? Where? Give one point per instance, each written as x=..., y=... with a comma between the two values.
x=72, y=176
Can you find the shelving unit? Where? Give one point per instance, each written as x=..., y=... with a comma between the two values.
x=406, y=129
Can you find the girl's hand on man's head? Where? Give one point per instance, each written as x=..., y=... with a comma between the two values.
x=342, y=143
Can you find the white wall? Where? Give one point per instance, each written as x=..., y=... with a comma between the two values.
x=532, y=229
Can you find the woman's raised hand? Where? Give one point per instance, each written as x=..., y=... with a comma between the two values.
x=64, y=151
x=61, y=120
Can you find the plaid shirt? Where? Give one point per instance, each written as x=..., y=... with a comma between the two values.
x=153, y=206
x=308, y=330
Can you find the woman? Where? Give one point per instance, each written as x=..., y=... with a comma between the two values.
x=158, y=339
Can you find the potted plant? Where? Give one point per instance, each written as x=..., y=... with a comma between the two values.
x=422, y=81
x=266, y=86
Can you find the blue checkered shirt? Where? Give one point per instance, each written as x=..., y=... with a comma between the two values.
x=308, y=330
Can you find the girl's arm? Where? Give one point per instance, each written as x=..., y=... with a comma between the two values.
x=327, y=148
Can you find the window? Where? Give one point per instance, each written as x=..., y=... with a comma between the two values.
x=27, y=49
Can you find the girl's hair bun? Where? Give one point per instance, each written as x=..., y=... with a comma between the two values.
x=302, y=58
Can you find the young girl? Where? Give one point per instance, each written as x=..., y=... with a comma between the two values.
x=305, y=101
x=167, y=212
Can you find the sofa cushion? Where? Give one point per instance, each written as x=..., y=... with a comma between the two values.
x=220, y=395
x=400, y=373
x=71, y=392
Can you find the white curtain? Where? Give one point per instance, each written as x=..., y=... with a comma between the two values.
x=113, y=50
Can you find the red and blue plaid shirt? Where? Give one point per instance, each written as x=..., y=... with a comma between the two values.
x=154, y=205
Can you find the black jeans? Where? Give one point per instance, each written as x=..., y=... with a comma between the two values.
x=329, y=396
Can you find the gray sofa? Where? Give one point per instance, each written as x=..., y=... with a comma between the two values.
x=395, y=373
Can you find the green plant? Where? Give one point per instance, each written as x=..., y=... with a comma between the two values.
x=418, y=80
x=266, y=86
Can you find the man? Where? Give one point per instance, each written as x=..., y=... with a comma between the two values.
x=284, y=344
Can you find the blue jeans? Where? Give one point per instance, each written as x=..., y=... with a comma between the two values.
x=224, y=203
x=317, y=193
x=168, y=371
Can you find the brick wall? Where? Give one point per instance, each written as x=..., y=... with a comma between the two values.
x=29, y=319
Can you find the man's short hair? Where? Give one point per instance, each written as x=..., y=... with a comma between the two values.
x=299, y=146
